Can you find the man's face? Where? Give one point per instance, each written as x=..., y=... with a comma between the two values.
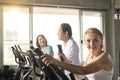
x=61, y=34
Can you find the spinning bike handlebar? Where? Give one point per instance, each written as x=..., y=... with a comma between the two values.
x=22, y=70
x=18, y=57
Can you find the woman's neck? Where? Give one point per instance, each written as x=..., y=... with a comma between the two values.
x=43, y=47
x=96, y=54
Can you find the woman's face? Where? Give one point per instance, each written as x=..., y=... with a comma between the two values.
x=41, y=41
x=93, y=42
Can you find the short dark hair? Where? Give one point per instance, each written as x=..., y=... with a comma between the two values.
x=66, y=27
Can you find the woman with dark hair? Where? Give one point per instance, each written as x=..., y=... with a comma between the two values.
x=41, y=42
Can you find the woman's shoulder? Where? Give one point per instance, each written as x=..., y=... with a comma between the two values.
x=49, y=46
x=107, y=61
x=106, y=54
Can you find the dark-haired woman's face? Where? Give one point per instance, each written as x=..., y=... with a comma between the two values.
x=41, y=41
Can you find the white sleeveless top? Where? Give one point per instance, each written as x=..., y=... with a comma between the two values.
x=100, y=75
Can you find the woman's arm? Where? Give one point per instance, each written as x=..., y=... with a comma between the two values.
x=50, y=53
x=96, y=65
x=70, y=67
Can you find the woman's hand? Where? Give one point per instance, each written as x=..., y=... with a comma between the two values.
x=47, y=59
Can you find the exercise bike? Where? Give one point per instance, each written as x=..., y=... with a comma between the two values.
x=23, y=71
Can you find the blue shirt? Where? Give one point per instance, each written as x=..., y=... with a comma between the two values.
x=47, y=49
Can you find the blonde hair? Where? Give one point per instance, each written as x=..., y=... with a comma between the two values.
x=95, y=31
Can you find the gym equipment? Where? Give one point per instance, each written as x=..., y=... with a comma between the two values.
x=61, y=51
x=23, y=71
x=52, y=72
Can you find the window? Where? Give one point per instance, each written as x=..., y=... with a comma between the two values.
x=46, y=21
x=15, y=31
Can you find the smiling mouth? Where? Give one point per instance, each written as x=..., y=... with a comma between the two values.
x=92, y=47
